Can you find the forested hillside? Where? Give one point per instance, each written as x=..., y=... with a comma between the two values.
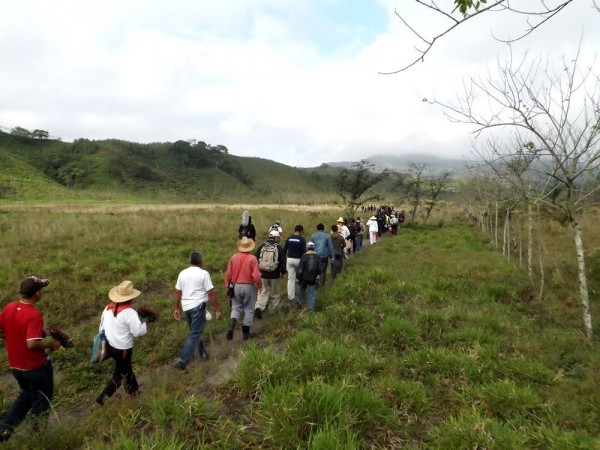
x=45, y=169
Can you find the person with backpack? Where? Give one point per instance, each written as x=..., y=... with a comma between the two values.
x=271, y=263
x=308, y=274
x=277, y=227
x=247, y=228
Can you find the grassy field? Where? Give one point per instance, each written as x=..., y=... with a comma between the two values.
x=428, y=340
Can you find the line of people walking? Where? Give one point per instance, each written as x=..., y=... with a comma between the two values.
x=252, y=281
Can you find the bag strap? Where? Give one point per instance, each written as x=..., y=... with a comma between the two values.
x=102, y=319
x=240, y=267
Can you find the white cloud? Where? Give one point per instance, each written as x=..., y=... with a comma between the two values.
x=250, y=75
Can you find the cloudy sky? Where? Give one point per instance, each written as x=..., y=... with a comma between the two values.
x=297, y=81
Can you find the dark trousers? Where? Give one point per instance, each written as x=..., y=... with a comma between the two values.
x=336, y=266
x=37, y=387
x=323, y=270
x=123, y=372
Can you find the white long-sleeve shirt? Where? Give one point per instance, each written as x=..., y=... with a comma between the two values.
x=121, y=330
x=373, y=227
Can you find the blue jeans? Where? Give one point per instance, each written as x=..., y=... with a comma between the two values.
x=196, y=320
x=358, y=242
x=37, y=387
x=312, y=295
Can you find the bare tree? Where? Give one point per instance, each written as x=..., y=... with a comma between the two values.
x=513, y=164
x=435, y=186
x=412, y=185
x=535, y=12
x=557, y=111
x=354, y=185
x=420, y=188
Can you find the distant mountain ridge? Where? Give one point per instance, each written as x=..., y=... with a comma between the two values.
x=116, y=170
x=400, y=162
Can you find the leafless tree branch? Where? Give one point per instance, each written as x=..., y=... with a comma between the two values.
x=542, y=12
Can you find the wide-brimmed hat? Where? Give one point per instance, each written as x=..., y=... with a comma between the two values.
x=273, y=233
x=373, y=218
x=32, y=284
x=123, y=292
x=341, y=219
x=246, y=244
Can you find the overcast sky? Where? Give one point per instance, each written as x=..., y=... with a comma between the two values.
x=294, y=81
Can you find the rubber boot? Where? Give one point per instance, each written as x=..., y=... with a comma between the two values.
x=246, y=332
x=232, y=323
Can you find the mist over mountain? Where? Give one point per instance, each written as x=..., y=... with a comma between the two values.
x=401, y=162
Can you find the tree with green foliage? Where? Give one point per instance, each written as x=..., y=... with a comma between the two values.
x=70, y=175
x=40, y=134
x=354, y=184
x=20, y=131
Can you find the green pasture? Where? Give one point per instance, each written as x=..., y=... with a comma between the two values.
x=428, y=340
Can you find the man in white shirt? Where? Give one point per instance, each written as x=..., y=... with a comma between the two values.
x=345, y=232
x=193, y=290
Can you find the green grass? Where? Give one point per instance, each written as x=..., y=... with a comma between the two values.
x=429, y=340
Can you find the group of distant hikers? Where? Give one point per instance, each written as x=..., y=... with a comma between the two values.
x=251, y=281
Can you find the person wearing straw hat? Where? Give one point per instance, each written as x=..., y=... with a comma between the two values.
x=193, y=290
x=345, y=233
x=21, y=326
x=373, y=229
x=243, y=273
x=121, y=324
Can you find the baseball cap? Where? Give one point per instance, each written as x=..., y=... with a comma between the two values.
x=310, y=245
x=32, y=284
x=274, y=233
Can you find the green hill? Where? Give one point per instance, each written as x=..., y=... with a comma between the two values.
x=115, y=170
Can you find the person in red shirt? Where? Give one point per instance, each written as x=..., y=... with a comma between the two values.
x=21, y=326
x=243, y=273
